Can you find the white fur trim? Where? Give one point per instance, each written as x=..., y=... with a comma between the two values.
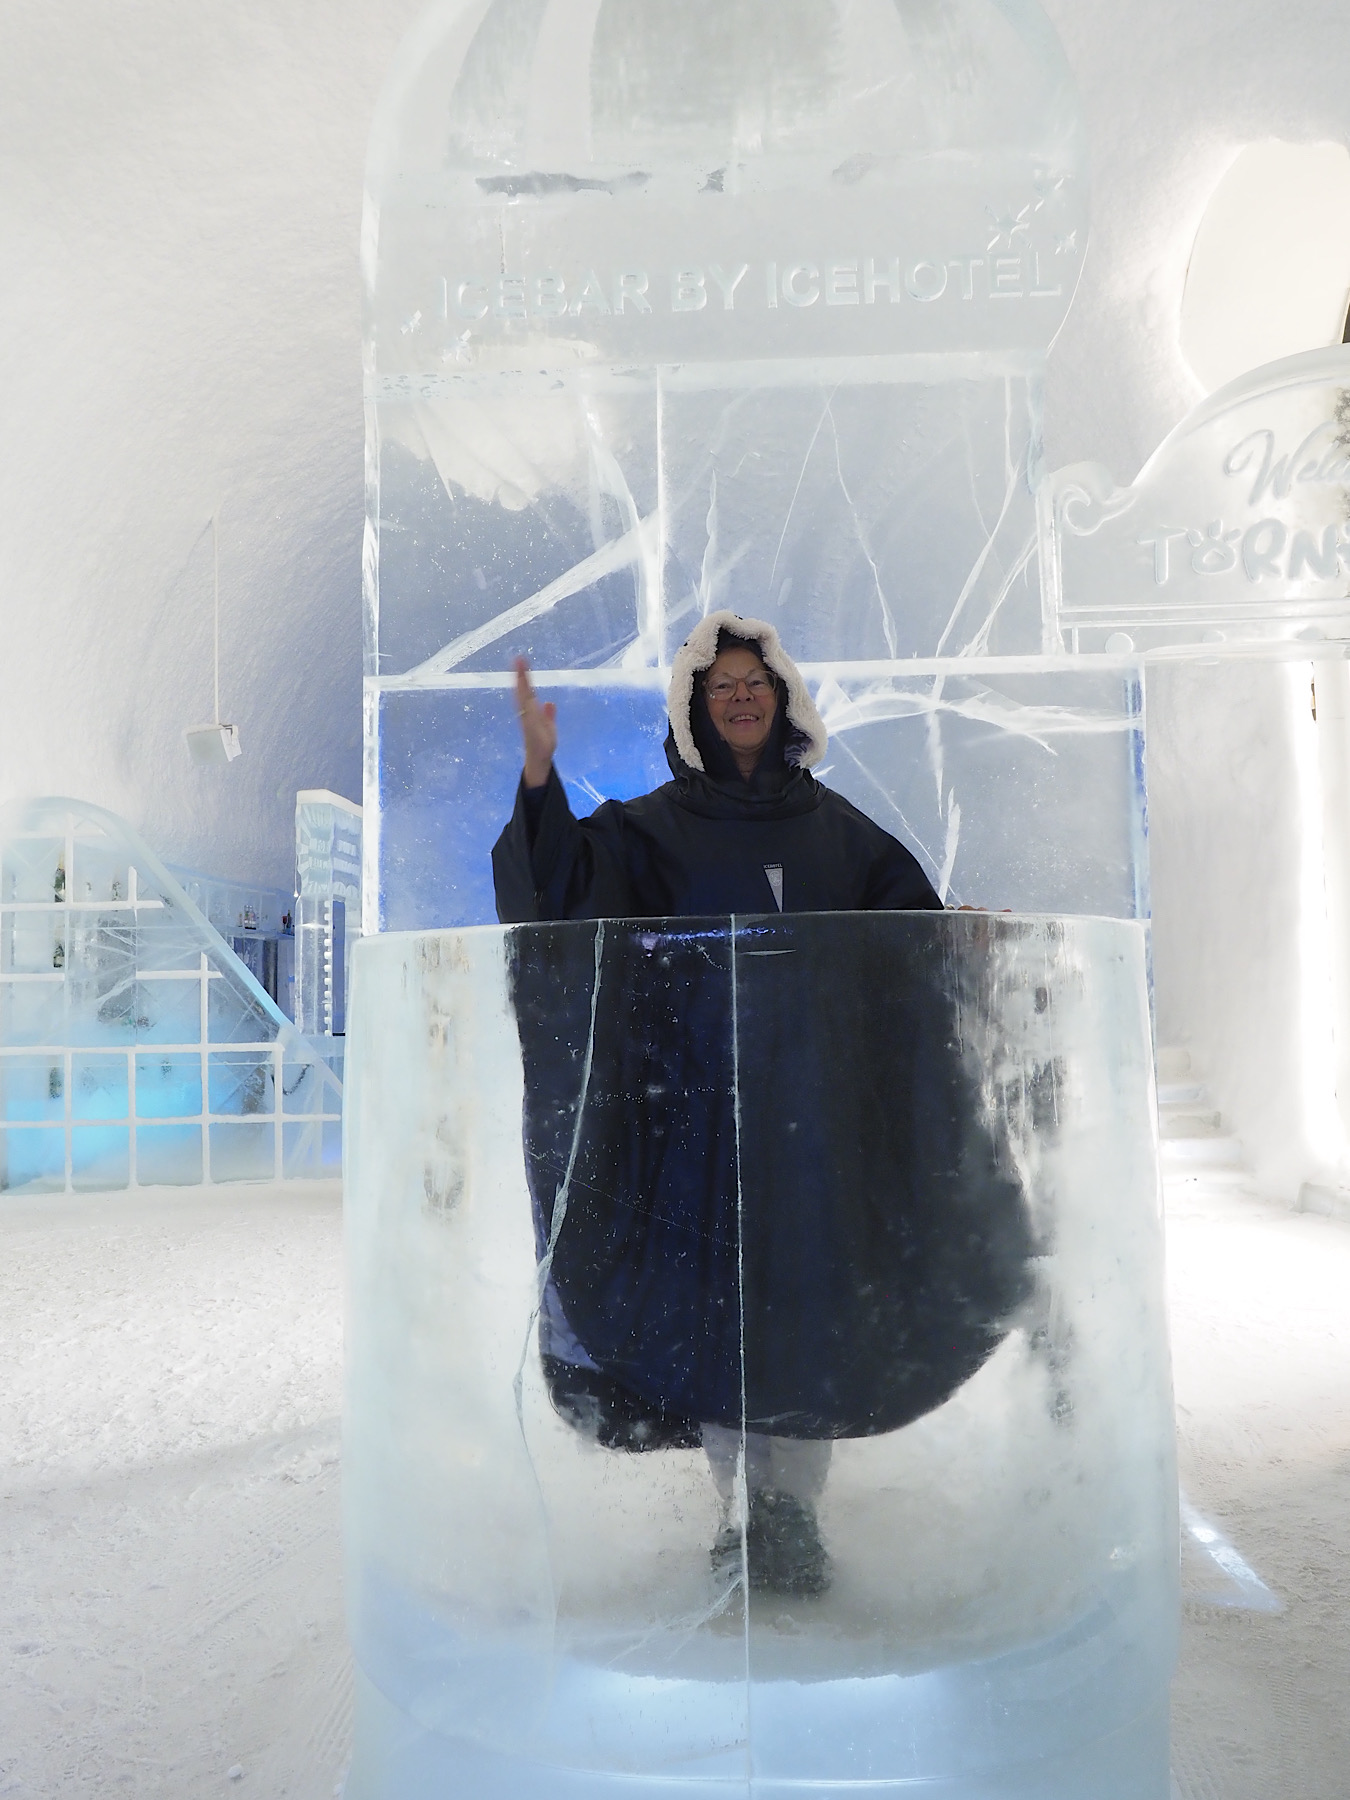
x=699, y=652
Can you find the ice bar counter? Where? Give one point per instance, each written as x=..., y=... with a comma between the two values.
x=653, y=1223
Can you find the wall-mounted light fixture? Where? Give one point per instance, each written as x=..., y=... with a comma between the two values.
x=213, y=743
x=1269, y=275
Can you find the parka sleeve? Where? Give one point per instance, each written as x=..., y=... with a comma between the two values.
x=896, y=881
x=548, y=865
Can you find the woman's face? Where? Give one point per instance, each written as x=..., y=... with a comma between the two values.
x=741, y=701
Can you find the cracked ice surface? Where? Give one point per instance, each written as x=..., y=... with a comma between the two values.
x=642, y=344
x=1016, y=787
x=887, y=527
x=867, y=520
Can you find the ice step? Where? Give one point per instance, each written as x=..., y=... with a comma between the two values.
x=1180, y=1093
x=1218, y=1152
x=1329, y=1198
x=1190, y=1126
x=1189, y=1123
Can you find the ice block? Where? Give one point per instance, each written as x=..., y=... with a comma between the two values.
x=727, y=303
x=649, y=1220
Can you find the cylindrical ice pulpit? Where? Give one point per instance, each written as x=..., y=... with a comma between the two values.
x=758, y=1377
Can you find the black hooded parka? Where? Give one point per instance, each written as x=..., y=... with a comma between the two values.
x=764, y=1189
x=702, y=844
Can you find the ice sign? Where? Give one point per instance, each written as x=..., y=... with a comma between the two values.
x=1237, y=530
x=738, y=182
x=677, y=308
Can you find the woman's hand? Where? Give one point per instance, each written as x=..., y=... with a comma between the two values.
x=538, y=727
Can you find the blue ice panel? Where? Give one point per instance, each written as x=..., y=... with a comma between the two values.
x=1018, y=790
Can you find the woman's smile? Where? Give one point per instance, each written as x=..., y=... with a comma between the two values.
x=742, y=699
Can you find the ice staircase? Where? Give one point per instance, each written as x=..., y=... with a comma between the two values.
x=1190, y=1126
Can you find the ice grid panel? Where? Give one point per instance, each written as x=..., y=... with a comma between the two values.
x=135, y=1048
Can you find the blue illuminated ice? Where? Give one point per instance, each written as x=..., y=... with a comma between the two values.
x=135, y=1048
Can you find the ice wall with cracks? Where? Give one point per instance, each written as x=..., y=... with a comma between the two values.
x=619, y=443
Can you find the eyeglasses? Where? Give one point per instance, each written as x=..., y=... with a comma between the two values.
x=724, y=687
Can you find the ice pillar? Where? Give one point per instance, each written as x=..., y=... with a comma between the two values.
x=328, y=905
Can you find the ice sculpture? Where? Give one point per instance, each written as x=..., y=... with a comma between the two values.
x=1234, y=537
x=744, y=304
x=535, y=1615
x=255, y=921
x=135, y=1047
x=328, y=904
x=725, y=303
x=232, y=907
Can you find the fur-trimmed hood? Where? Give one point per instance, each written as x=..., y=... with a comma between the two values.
x=808, y=739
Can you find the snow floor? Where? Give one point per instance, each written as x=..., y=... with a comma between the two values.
x=170, y=1613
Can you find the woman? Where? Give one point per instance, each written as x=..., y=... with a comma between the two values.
x=743, y=826
x=777, y=1229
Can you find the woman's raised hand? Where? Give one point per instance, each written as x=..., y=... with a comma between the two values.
x=538, y=727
